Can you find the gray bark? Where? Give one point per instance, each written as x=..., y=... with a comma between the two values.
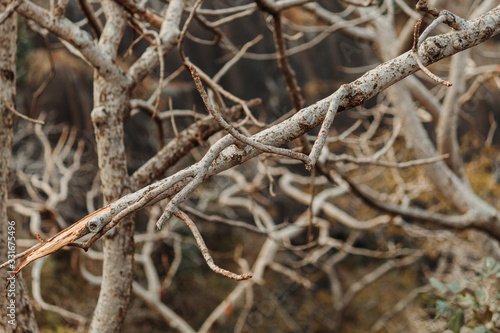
x=111, y=98
x=23, y=319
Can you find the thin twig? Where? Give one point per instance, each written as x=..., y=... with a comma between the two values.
x=491, y=132
x=88, y=12
x=204, y=250
x=60, y=8
x=37, y=296
x=174, y=266
x=136, y=26
x=162, y=71
x=219, y=219
x=172, y=117
x=235, y=133
x=216, y=88
x=325, y=126
x=233, y=17
x=236, y=58
x=7, y=12
x=368, y=3
x=371, y=161
x=20, y=115
x=423, y=7
x=381, y=322
x=287, y=71
x=311, y=211
x=46, y=82
x=414, y=51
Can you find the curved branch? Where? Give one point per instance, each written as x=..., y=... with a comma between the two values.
x=66, y=30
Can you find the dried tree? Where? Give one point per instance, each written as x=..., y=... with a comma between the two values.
x=167, y=189
x=16, y=312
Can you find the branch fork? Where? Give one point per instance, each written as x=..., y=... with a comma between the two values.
x=443, y=16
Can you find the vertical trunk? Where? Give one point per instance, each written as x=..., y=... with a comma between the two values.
x=16, y=314
x=109, y=102
x=111, y=98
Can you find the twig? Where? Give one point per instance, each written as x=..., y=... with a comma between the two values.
x=380, y=323
x=180, y=44
x=145, y=14
x=172, y=118
x=236, y=58
x=233, y=17
x=311, y=210
x=414, y=51
x=374, y=275
x=136, y=26
x=180, y=146
x=339, y=95
x=218, y=219
x=444, y=16
x=7, y=12
x=37, y=296
x=491, y=131
x=216, y=88
x=457, y=222
x=204, y=250
x=368, y=3
x=162, y=72
x=60, y=7
x=20, y=115
x=283, y=63
x=93, y=21
x=219, y=90
x=200, y=173
x=47, y=80
x=291, y=274
x=238, y=135
x=423, y=7
x=123, y=207
x=174, y=266
x=369, y=160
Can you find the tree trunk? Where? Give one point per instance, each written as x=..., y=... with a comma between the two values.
x=111, y=99
x=107, y=116
x=16, y=314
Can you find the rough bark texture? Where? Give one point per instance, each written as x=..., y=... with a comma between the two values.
x=111, y=98
x=118, y=246
x=24, y=320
